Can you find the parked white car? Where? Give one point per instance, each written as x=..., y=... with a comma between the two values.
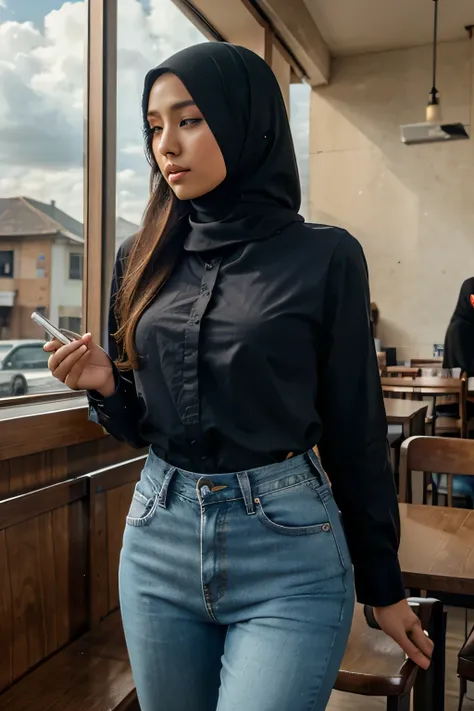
x=24, y=369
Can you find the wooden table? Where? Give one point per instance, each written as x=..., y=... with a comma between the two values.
x=422, y=386
x=411, y=414
x=437, y=548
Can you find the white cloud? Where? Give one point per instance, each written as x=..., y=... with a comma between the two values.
x=42, y=94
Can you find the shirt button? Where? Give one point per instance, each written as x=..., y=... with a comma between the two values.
x=209, y=266
x=193, y=442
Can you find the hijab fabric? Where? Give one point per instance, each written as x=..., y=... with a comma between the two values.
x=459, y=342
x=240, y=98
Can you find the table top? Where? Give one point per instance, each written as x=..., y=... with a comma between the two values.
x=437, y=548
x=401, y=410
x=426, y=386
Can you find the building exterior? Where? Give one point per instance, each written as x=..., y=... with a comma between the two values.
x=41, y=265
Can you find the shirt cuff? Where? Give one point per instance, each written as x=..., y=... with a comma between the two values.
x=380, y=584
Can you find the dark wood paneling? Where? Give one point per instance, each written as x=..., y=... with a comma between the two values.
x=39, y=433
x=118, y=504
x=43, y=574
x=6, y=617
x=110, y=496
x=4, y=479
x=34, y=471
x=22, y=508
x=99, y=588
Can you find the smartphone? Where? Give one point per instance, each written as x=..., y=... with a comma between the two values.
x=62, y=335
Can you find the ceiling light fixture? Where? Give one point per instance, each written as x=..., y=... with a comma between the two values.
x=433, y=130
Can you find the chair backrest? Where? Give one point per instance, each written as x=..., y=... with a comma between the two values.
x=426, y=362
x=443, y=455
x=401, y=371
x=417, y=388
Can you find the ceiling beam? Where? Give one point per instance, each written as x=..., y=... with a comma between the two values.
x=294, y=25
x=240, y=22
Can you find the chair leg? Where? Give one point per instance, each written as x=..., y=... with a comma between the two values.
x=399, y=703
x=462, y=691
x=429, y=685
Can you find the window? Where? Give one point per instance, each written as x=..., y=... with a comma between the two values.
x=71, y=323
x=28, y=357
x=76, y=266
x=42, y=51
x=6, y=263
x=300, y=95
x=149, y=32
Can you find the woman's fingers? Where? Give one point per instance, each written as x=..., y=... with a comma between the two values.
x=416, y=645
x=61, y=352
x=422, y=641
x=64, y=360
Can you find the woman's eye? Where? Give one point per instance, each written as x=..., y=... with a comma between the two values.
x=155, y=129
x=190, y=122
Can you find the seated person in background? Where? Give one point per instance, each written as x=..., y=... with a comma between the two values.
x=459, y=353
x=459, y=341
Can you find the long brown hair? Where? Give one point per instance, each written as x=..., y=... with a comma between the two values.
x=155, y=251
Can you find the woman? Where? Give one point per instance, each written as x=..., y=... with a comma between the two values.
x=459, y=341
x=235, y=324
x=459, y=353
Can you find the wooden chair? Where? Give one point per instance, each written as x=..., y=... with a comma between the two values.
x=433, y=387
x=426, y=362
x=401, y=371
x=374, y=665
x=443, y=455
x=466, y=667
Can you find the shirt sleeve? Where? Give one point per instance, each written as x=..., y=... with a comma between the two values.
x=354, y=448
x=119, y=414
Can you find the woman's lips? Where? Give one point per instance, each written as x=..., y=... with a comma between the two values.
x=176, y=177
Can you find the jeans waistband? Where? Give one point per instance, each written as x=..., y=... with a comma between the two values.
x=246, y=485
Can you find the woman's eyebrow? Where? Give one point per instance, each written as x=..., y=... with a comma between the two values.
x=174, y=107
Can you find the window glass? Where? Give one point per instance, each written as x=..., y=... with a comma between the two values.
x=148, y=32
x=42, y=71
x=75, y=266
x=299, y=118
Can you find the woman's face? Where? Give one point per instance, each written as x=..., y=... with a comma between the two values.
x=184, y=147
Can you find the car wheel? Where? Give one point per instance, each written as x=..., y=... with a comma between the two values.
x=19, y=386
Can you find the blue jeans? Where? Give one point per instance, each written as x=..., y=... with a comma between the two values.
x=236, y=590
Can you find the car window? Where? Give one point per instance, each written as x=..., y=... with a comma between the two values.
x=4, y=350
x=29, y=358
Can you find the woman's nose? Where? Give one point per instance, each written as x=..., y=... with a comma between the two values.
x=168, y=144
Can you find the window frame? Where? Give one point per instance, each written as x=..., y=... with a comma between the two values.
x=100, y=135
x=12, y=252
x=80, y=270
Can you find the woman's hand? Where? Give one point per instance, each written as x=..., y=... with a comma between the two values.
x=81, y=365
x=403, y=626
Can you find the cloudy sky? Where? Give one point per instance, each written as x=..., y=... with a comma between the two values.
x=41, y=97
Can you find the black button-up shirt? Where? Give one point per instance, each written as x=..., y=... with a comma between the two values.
x=264, y=349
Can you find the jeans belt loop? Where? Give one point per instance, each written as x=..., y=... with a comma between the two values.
x=163, y=495
x=246, y=489
x=316, y=463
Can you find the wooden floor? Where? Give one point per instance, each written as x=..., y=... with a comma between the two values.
x=455, y=638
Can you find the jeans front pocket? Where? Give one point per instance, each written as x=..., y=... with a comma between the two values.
x=144, y=503
x=294, y=511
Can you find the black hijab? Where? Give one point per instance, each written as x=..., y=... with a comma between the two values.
x=459, y=342
x=239, y=96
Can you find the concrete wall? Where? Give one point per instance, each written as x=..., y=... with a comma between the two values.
x=411, y=207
